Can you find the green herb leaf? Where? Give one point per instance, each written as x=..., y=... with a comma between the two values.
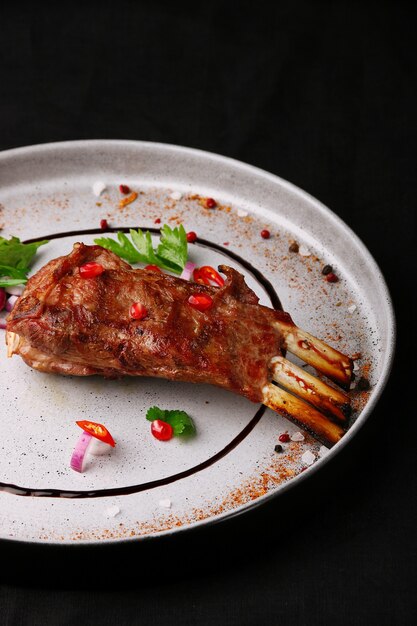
x=180, y=421
x=171, y=254
x=15, y=259
x=173, y=246
x=122, y=250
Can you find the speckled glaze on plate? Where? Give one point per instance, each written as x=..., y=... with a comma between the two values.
x=146, y=488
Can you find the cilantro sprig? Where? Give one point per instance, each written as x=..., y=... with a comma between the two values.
x=171, y=253
x=15, y=260
x=181, y=422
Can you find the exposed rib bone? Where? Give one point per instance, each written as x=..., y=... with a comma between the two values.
x=304, y=414
x=330, y=401
x=317, y=353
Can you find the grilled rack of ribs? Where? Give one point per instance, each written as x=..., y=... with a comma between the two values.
x=67, y=324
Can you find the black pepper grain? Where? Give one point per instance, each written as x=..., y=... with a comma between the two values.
x=278, y=448
x=327, y=269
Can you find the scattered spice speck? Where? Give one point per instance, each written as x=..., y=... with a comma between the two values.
x=157, y=221
x=210, y=203
x=294, y=247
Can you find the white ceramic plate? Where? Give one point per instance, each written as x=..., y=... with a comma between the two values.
x=146, y=488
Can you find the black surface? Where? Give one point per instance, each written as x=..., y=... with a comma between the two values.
x=320, y=94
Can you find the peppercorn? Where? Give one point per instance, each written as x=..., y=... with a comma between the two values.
x=294, y=247
x=278, y=448
x=327, y=269
x=332, y=278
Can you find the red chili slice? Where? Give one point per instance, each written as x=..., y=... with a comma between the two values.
x=97, y=430
x=91, y=270
x=200, y=302
x=207, y=275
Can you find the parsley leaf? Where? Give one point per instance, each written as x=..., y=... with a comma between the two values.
x=173, y=246
x=171, y=253
x=180, y=421
x=15, y=259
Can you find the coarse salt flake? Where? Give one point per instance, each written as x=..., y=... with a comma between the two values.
x=166, y=503
x=352, y=308
x=323, y=451
x=112, y=511
x=304, y=251
x=241, y=213
x=98, y=188
x=176, y=195
x=308, y=458
x=297, y=436
x=356, y=366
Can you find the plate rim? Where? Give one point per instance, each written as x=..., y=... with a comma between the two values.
x=390, y=334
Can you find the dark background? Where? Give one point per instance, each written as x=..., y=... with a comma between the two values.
x=321, y=94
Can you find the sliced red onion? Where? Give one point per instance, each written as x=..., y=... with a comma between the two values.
x=16, y=290
x=11, y=302
x=187, y=272
x=2, y=298
x=77, y=459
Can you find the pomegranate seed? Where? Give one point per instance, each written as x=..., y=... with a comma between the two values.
x=284, y=438
x=91, y=270
x=104, y=224
x=191, y=236
x=138, y=311
x=162, y=430
x=124, y=189
x=265, y=234
x=153, y=268
x=331, y=278
x=200, y=302
x=210, y=203
x=157, y=221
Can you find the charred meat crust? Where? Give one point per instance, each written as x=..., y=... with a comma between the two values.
x=85, y=322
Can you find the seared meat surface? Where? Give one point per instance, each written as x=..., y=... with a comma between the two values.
x=64, y=323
